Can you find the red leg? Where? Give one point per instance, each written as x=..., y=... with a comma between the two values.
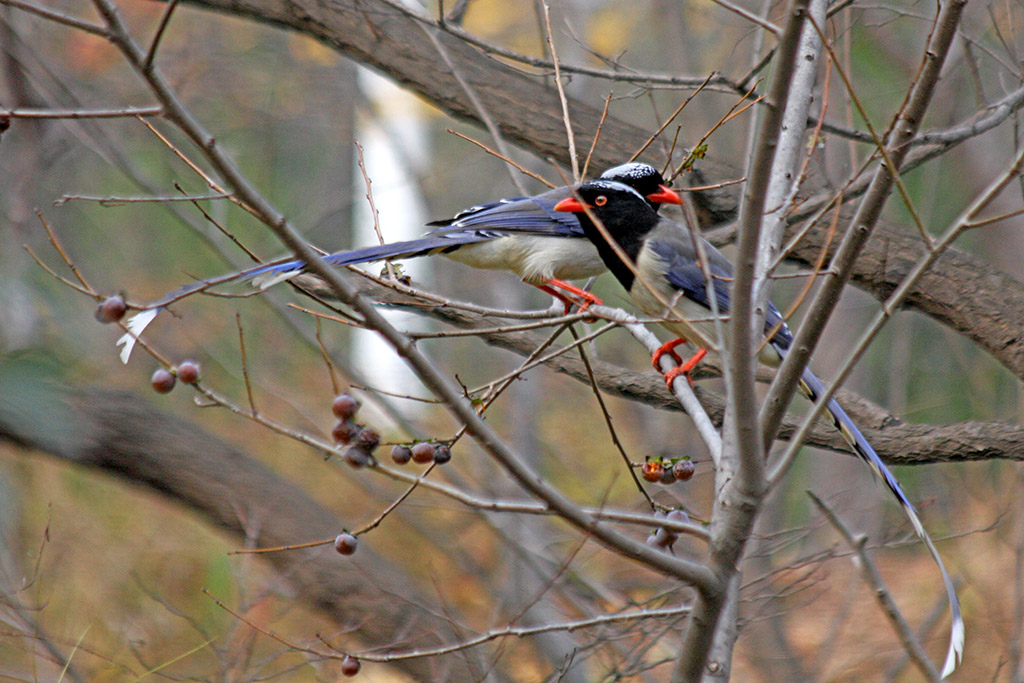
x=685, y=369
x=558, y=295
x=587, y=297
x=667, y=347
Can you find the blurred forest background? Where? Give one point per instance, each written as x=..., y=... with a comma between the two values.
x=112, y=562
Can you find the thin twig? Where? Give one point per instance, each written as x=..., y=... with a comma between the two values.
x=245, y=363
x=211, y=183
x=29, y=113
x=519, y=167
x=326, y=358
x=880, y=142
x=749, y=16
x=874, y=579
x=73, y=285
x=59, y=18
x=597, y=133
x=63, y=253
x=623, y=73
x=165, y=20
x=478, y=104
x=499, y=384
x=670, y=119
x=270, y=634
x=561, y=92
x=373, y=208
x=608, y=421
x=734, y=111
x=280, y=548
x=375, y=522
x=119, y=201
x=220, y=227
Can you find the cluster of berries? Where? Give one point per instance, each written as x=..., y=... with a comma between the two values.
x=667, y=471
x=362, y=440
x=164, y=379
x=662, y=537
x=422, y=452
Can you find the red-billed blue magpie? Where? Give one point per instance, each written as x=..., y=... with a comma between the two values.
x=524, y=235
x=669, y=283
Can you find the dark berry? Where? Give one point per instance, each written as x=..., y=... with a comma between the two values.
x=344, y=406
x=346, y=543
x=401, y=454
x=678, y=516
x=111, y=310
x=345, y=431
x=663, y=538
x=442, y=453
x=667, y=477
x=683, y=470
x=350, y=666
x=652, y=470
x=163, y=381
x=188, y=372
x=423, y=452
x=357, y=457
x=368, y=439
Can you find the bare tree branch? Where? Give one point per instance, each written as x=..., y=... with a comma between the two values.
x=896, y=441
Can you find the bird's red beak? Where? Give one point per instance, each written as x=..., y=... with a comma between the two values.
x=571, y=205
x=664, y=195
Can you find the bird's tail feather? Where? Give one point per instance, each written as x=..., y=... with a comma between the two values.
x=812, y=387
x=269, y=274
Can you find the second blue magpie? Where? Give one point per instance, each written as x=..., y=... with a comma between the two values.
x=662, y=272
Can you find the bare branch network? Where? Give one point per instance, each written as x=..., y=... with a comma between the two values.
x=537, y=503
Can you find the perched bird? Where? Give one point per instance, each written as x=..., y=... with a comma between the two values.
x=669, y=283
x=524, y=235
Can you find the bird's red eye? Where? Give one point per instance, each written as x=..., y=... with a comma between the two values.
x=601, y=200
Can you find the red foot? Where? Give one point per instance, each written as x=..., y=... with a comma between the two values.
x=685, y=369
x=558, y=295
x=667, y=347
x=588, y=298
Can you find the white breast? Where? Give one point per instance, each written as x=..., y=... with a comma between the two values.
x=685, y=318
x=534, y=258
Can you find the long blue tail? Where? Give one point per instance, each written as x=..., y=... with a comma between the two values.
x=269, y=274
x=813, y=389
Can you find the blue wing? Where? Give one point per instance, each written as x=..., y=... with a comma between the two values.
x=686, y=275
x=516, y=216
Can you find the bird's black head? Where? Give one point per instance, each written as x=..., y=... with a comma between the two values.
x=646, y=180
x=623, y=212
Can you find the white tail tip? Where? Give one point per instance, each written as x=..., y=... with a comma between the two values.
x=956, y=649
x=136, y=324
x=268, y=280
